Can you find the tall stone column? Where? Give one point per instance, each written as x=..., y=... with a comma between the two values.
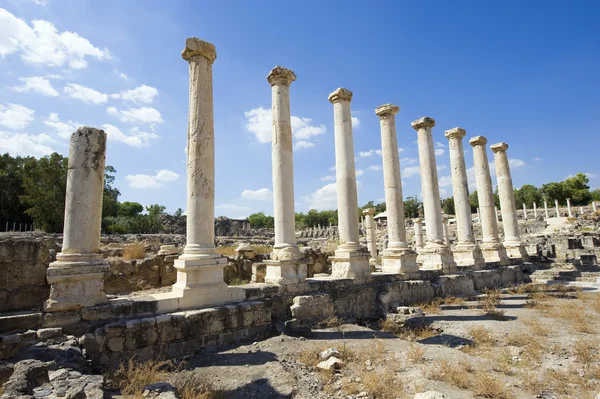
x=535, y=210
x=479, y=215
x=581, y=210
x=594, y=206
x=370, y=233
x=436, y=254
x=546, y=208
x=491, y=247
x=200, y=268
x=557, y=208
x=569, y=207
x=524, y=211
x=445, y=230
x=466, y=252
x=286, y=265
x=76, y=278
x=512, y=237
x=350, y=259
x=497, y=217
x=418, y=230
x=398, y=257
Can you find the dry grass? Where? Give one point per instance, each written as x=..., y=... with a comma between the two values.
x=432, y=306
x=536, y=327
x=591, y=299
x=131, y=377
x=481, y=336
x=444, y=370
x=238, y=281
x=586, y=351
x=191, y=386
x=409, y=334
x=262, y=249
x=134, y=251
x=415, y=353
x=518, y=338
x=489, y=303
x=383, y=385
x=486, y=386
x=574, y=314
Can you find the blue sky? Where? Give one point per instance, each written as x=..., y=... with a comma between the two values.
x=521, y=72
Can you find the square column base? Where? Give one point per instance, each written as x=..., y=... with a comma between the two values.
x=350, y=262
x=199, y=284
x=494, y=253
x=436, y=256
x=285, y=272
x=75, y=283
x=516, y=251
x=400, y=261
x=468, y=255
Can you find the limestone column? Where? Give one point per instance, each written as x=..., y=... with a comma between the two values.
x=491, y=247
x=350, y=259
x=285, y=266
x=535, y=210
x=497, y=217
x=546, y=208
x=398, y=257
x=371, y=236
x=594, y=206
x=524, y=211
x=557, y=209
x=581, y=210
x=478, y=215
x=466, y=252
x=418, y=230
x=569, y=207
x=512, y=237
x=436, y=254
x=76, y=278
x=445, y=230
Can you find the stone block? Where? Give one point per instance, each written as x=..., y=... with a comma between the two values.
x=60, y=319
x=44, y=334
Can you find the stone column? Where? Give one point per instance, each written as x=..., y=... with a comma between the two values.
x=594, y=206
x=371, y=236
x=398, y=257
x=466, y=252
x=569, y=207
x=445, y=230
x=491, y=247
x=535, y=210
x=546, y=209
x=557, y=208
x=436, y=254
x=524, y=211
x=418, y=228
x=497, y=217
x=512, y=238
x=200, y=268
x=479, y=215
x=285, y=266
x=76, y=278
x=350, y=259
x=581, y=210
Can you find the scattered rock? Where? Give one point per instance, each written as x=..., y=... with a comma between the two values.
x=330, y=364
x=162, y=390
x=430, y=395
x=329, y=352
x=44, y=334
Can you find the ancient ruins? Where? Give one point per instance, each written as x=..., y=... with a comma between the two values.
x=370, y=271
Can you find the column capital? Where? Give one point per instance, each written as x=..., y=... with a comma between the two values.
x=368, y=211
x=455, y=133
x=424, y=122
x=386, y=110
x=478, y=140
x=280, y=75
x=195, y=46
x=499, y=147
x=340, y=94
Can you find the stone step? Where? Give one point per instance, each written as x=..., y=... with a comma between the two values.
x=20, y=321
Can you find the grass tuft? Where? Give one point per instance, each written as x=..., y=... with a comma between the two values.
x=134, y=251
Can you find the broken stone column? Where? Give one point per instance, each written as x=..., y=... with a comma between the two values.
x=76, y=278
x=445, y=230
x=371, y=238
x=581, y=210
x=569, y=207
x=491, y=247
x=200, y=268
x=466, y=252
x=535, y=210
x=350, y=259
x=286, y=265
x=557, y=208
x=594, y=206
x=524, y=211
x=418, y=230
x=398, y=257
x=546, y=208
x=435, y=255
x=512, y=238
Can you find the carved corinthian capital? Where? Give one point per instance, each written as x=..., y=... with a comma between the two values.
x=195, y=46
x=281, y=76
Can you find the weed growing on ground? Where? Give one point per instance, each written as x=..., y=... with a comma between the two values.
x=131, y=377
x=134, y=251
x=537, y=328
x=415, y=353
x=238, y=281
x=481, y=336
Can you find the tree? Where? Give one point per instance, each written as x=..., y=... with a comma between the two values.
x=595, y=194
x=448, y=206
x=555, y=191
x=12, y=206
x=412, y=207
x=474, y=201
x=110, y=196
x=578, y=190
x=129, y=209
x=528, y=194
x=155, y=210
x=260, y=220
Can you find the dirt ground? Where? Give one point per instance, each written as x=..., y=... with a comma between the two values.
x=528, y=343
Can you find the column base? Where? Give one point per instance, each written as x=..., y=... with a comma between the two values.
x=285, y=272
x=468, y=255
x=400, y=261
x=76, y=281
x=436, y=256
x=350, y=261
x=494, y=253
x=516, y=251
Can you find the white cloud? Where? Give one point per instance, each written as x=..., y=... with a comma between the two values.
x=439, y=151
x=41, y=43
x=40, y=2
x=408, y=161
x=85, y=94
x=443, y=193
x=36, y=84
x=376, y=168
x=355, y=122
x=142, y=181
x=359, y=172
x=136, y=138
x=411, y=171
x=445, y=181
x=515, y=163
x=15, y=116
x=62, y=129
x=142, y=94
x=439, y=144
x=537, y=159
x=328, y=178
x=588, y=175
x=121, y=75
x=303, y=130
x=258, y=121
x=324, y=198
x=136, y=115
x=298, y=145
x=369, y=153
x=441, y=167
x=24, y=144
x=400, y=149
x=262, y=194
x=234, y=207
x=332, y=168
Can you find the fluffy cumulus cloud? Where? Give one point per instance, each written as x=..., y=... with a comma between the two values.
x=408, y=161
x=411, y=171
x=355, y=122
x=140, y=95
x=445, y=181
x=259, y=122
x=42, y=44
x=146, y=115
x=324, y=198
x=36, y=84
x=439, y=144
x=515, y=163
x=439, y=151
x=143, y=181
x=262, y=194
x=121, y=75
x=135, y=138
x=359, y=172
x=375, y=168
x=369, y=153
x=328, y=178
x=15, y=116
x=85, y=94
x=24, y=144
x=61, y=128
